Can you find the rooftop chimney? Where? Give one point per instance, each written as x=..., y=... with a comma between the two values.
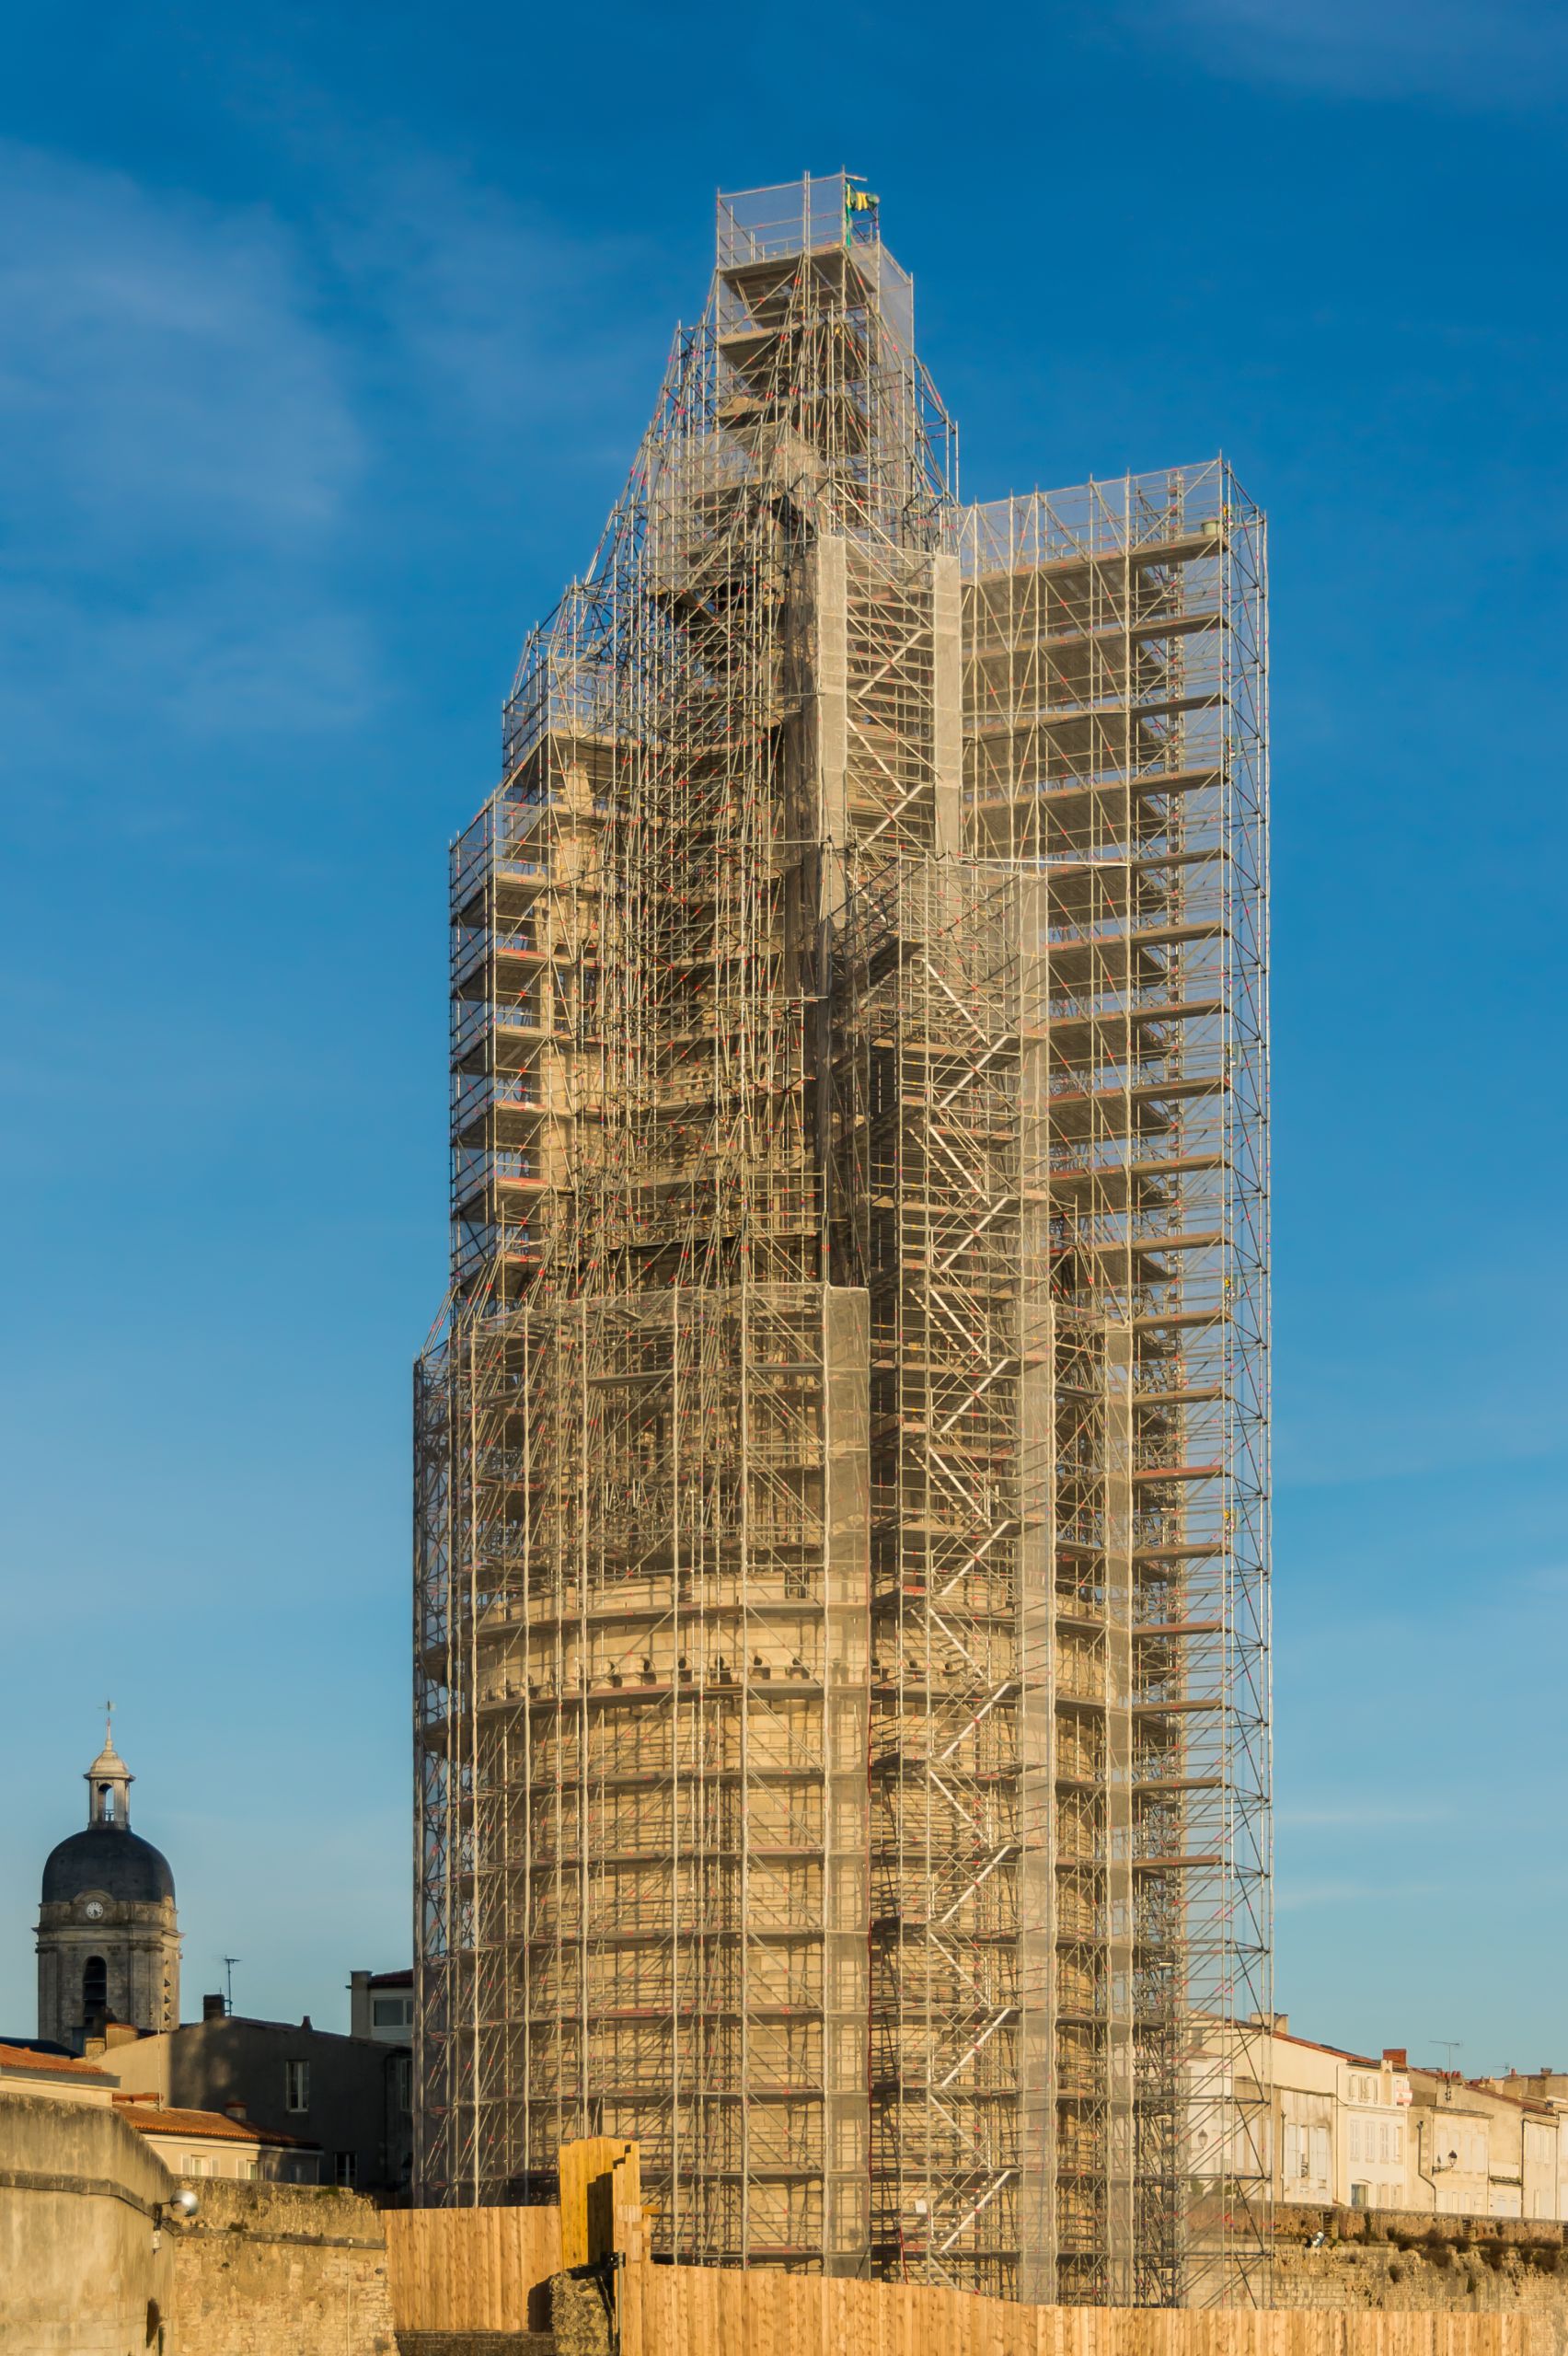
x=1397, y=2057
x=235, y=2109
x=213, y=2008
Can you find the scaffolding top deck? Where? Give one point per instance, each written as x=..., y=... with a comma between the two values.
x=834, y=215
x=1168, y=515
x=799, y=216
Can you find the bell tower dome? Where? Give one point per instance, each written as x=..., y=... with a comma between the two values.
x=108, y=1932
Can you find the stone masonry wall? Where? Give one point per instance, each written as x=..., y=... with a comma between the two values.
x=270, y=2270
x=83, y=2267
x=1386, y=2260
x=267, y=2269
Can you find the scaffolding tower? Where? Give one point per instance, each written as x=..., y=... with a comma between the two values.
x=841, y=1469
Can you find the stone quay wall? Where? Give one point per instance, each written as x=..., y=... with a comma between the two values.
x=83, y=2266
x=1390, y=2261
x=272, y=2269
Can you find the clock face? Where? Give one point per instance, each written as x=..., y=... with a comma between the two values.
x=93, y=1909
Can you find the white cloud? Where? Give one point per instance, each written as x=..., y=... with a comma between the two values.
x=178, y=453
x=208, y=415
x=238, y=652
x=1473, y=53
x=162, y=381
x=499, y=315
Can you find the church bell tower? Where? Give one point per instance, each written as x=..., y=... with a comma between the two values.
x=108, y=1932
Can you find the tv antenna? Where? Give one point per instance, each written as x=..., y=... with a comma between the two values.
x=229, y=1961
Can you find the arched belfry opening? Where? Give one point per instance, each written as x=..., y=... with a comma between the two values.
x=95, y=1995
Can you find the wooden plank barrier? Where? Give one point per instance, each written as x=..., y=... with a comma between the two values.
x=488, y=2269
x=472, y=2270
x=702, y=2310
x=601, y=2201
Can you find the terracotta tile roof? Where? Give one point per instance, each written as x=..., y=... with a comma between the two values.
x=1340, y=2052
x=156, y=2119
x=22, y=2057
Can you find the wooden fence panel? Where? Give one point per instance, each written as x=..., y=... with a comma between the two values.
x=485, y=2269
x=700, y=2311
x=471, y=2270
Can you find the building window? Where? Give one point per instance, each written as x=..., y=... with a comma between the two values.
x=401, y=2083
x=95, y=1987
x=1360, y=2196
x=296, y=2085
x=345, y=2168
x=391, y=2012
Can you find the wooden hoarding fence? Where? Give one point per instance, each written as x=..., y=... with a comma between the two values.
x=490, y=2270
x=472, y=2270
x=702, y=2310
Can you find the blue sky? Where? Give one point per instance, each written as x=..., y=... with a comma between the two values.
x=327, y=337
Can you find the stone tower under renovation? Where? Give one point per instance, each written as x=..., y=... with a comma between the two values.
x=842, y=1494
